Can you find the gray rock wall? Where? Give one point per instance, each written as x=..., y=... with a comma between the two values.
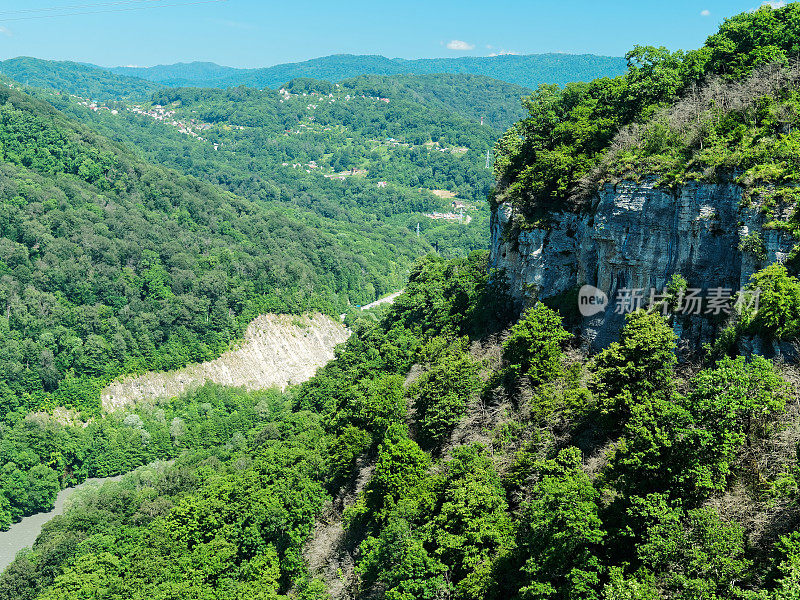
x=636, y=236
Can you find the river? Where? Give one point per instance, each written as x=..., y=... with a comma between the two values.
x=23, y=534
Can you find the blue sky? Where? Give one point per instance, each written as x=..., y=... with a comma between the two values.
x=252, y=33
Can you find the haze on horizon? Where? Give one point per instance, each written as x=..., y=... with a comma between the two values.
x=249, y=33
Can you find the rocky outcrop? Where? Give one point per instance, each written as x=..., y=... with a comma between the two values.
x=277, y=350
x=636, y=236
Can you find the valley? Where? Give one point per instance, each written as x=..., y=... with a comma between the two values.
x=351, y=163
x=587, y=386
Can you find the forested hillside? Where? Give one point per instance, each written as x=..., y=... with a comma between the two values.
x=477, y=97
x=479, y=469
x=76, y=78
x=727, y=107
x=112, y=265
x=329, y=221
x=363, y=161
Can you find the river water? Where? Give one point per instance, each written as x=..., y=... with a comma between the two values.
x=23, y=534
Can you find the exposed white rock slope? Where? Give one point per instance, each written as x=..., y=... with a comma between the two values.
x=277, y=350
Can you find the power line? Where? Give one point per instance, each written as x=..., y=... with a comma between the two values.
x=110, y=10
x=73, y=7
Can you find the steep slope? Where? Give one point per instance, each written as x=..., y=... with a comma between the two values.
x=635, y=239
x=111, y=265
x=526, y=70
x=276, y=351
x=430, y=460
x=680, y=174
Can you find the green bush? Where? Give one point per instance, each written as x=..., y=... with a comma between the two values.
x=778, y=313
x=560, y=532
x=442, y=392
x=347, y=447
x=534, y=345
x=637, y=367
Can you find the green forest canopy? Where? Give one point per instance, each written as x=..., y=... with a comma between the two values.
x=470, y=468
x=517, y=512
x=574, y=137
x=111, y=265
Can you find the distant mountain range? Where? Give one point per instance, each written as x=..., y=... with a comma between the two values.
x=476, y=87
x=525, y=70
x=76, y=78
x=103, y=83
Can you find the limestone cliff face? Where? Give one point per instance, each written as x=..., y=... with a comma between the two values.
x=636, y=235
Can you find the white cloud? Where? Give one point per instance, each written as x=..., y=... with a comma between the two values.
x=505, y=53
x=459, y=45
x=705, y=13
x=6, y=31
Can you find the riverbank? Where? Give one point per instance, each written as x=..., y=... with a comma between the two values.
x=23, y=534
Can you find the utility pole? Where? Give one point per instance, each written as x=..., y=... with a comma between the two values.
x=417, y=229
x=489, y=159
